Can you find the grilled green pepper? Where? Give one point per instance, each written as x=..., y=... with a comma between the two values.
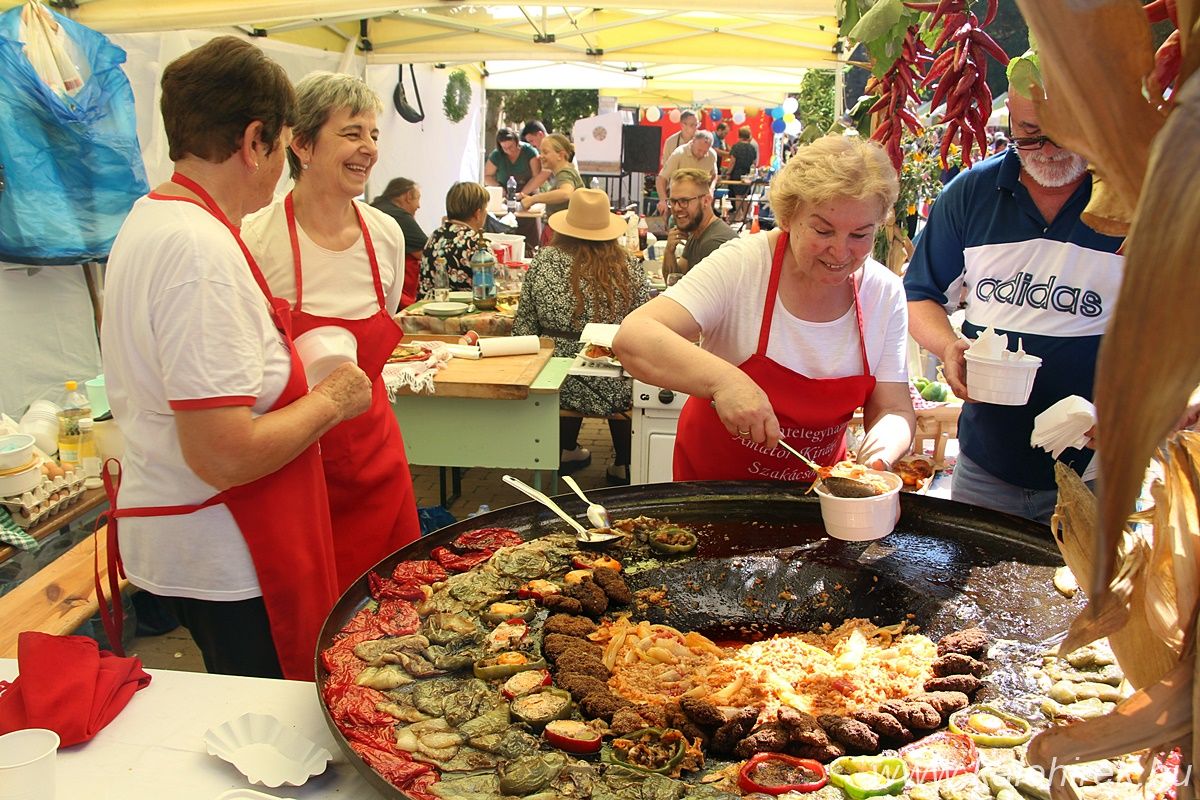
x=505, y=664
x=868, y=776
x=672, y=540
x=537, y=708
x=652, y=750
x=991, y=727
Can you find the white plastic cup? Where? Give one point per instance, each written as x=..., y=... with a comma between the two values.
x=97, y=394
x=27, y=764
x=324, y=349
x=861, y=519
x=43, y=431
x=1003, y=382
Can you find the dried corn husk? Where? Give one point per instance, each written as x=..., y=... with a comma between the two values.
x=1105, y=212
x=1143, y=656
x=1159, y=283
x=1096, y=106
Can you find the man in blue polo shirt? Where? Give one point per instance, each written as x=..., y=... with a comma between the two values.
x=1005, y=241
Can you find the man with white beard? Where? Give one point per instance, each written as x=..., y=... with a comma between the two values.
x=1005, y=242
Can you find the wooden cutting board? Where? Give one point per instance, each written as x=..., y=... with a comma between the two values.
x=497, y=378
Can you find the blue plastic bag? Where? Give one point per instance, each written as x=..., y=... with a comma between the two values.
x=434, y=518
x=71, y=167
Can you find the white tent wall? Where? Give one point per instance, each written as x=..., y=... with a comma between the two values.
x=434, y=152
x=46, y=319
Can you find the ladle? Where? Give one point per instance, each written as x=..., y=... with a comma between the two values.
x=581, y=533
x=596, y=513
x=836, y=486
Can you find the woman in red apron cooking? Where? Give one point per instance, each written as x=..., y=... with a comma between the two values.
x=798, y=328
x=221, y=502
x=340, y=263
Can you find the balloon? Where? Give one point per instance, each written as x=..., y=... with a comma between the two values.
x=739, y=115
x=653, y=114
x=790, y=105
x=789, y=117
x=777, y=112
x=794, y=127
x=674, y=115
x=715, y=115
x=779, y=126
x=752, y=112
x=775, y=163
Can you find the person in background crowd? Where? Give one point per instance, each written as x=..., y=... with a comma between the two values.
x=513, y=158
x=999, y=144
x=457, y=239
x=400, y=200
x=696, y=225
x=584, y=276
x=696, y=154
x=798, y=327
x=743, y=160
x=533, y=133
x=339, y=262
x=688, y=123
x=222, y=505
x=719, y=145
x=1013, y=221
x=558, y=154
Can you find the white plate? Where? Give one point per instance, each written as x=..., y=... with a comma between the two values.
x=265, y=751
x=247, y=794
x=461, y=297
x=602, y=361
x=445, y=309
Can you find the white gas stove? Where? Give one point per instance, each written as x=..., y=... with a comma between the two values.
x=655, y=417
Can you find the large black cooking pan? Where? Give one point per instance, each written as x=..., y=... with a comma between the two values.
x=764, y=565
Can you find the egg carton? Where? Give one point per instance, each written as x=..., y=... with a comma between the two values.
x=47, y=499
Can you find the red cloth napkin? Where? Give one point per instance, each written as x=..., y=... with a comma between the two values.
x=68, y=685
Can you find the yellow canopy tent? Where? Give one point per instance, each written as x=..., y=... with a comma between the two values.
x=708, y=51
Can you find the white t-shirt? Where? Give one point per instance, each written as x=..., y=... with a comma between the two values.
x=185, y=326
x=336, y=283
x=725, y=293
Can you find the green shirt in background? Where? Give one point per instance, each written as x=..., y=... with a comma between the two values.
x=567, y=176
x=521, y=169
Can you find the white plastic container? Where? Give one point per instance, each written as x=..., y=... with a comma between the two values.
x=41, y=422
x=861, y=519
x=516, y=241
x=1004, y=382
x=27, y=764
x=97, y=394
x=17, y=483
x=16, y=450
x=324, y=349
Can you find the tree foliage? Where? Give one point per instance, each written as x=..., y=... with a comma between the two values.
x=557, y=109
x=816, y=99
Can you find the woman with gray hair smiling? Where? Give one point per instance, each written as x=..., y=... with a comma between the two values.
x=340, y=262
x=798, y=328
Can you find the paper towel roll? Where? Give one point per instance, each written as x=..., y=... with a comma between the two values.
x=509, y=346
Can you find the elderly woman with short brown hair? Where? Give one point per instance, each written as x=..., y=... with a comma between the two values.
x=798, y=327
x=458, y=238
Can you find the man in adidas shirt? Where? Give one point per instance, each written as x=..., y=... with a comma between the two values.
x=1006, y=242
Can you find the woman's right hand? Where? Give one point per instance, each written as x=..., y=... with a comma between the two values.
x=349, y=388
x=745, y=410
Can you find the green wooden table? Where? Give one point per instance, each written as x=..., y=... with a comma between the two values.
x=445, y=431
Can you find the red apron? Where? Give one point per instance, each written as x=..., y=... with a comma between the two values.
x=412, y=279
x=813, y=413
x=284, y=516
x=371, y=499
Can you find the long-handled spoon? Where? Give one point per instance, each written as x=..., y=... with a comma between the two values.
x=596, y=513
x=582, y=533
x=836, y=486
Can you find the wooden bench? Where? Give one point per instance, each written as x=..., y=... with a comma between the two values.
x=58, y=599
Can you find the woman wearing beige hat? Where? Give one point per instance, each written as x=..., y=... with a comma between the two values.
x=584, y=276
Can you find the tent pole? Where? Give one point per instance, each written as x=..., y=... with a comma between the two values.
x=839, y=88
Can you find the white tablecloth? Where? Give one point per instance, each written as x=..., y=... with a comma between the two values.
x=154, y=749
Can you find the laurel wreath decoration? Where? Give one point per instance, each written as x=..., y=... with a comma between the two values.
x=458, y=96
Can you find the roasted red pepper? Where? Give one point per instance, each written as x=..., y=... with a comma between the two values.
x=942, y=755
x=573, y=736
x=776, y=773
x=588, y=561
x=456, y=563
x=487, y=539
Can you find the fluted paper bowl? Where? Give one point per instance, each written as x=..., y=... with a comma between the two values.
x=266, y=751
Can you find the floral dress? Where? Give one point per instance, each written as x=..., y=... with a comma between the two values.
x=456, y=242
x=547, y=308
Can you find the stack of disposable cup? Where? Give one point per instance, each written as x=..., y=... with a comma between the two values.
x=324, y=349
x=41, y=422
x=998, y=375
